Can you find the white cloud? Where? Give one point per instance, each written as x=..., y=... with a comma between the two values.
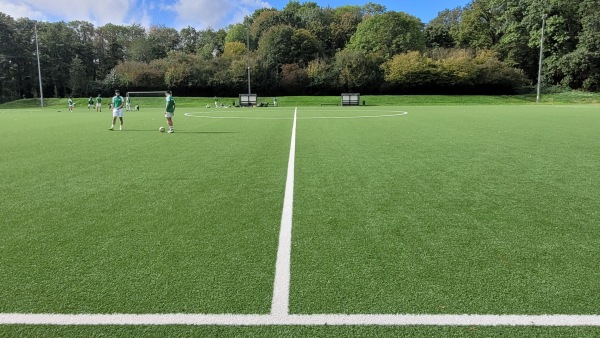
x=200, y=14
x=203, y=14
x=140, y=15
x=21, y=10
x=97, y=12
x=112, y=11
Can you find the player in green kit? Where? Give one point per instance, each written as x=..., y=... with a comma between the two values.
x=99, y=103
x=90, y=102
x=70, y=103
x=117, y=103
x=170, y=110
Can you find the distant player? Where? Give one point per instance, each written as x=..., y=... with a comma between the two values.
x=127, y=104
x=99, y=103
x=90, y=102
x=169, y=110
x=71, y=103
x=117, y=104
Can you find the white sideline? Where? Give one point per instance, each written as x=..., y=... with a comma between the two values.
x=306, y=320
x=281, y=289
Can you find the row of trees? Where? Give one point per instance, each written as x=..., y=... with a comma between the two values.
x=487, y=46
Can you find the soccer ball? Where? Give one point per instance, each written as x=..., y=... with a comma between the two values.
x=161, y=129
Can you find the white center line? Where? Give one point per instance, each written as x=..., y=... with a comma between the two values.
x=281, y=290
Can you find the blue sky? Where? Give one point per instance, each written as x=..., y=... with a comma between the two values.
x=200, y=14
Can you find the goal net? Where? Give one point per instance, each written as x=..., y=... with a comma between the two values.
x=140, y=100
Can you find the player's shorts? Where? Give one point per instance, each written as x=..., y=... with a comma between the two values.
x=98, y=105
x=168, y=114
x=117, y=112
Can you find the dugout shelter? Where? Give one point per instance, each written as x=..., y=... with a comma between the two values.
x=248, y=100
x=350, y=99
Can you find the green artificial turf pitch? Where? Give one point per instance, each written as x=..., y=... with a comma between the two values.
x=448, y=209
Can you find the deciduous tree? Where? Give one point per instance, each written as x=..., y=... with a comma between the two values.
x=388, y=34
x=78, y=78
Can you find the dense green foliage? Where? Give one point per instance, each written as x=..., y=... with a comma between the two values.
x=307, y=49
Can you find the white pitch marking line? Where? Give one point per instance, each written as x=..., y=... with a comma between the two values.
x=300, y=118
x=281, y=289
x=305, y=320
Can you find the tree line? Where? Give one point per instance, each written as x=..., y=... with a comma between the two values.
x=488, y=46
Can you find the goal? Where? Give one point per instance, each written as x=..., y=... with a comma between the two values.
x=138, y=100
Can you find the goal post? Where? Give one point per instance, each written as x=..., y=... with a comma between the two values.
x=137, y=100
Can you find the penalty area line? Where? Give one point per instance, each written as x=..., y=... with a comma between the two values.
x=305, y=320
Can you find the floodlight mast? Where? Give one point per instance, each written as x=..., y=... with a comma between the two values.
x=248, y=48
x=37, y=48
x=539, y=83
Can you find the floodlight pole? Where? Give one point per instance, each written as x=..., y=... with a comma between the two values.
x=37, y=49
x=539, y=83
x=248, y=48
